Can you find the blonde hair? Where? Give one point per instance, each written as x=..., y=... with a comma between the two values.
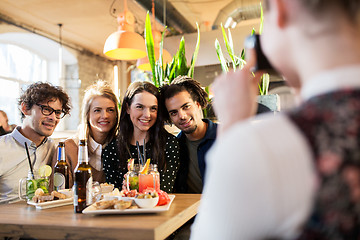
x=98, y=89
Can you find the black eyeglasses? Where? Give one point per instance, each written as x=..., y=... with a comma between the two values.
x=47, y=111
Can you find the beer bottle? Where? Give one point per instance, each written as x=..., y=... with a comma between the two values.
x=82, y=179
x=61, y=169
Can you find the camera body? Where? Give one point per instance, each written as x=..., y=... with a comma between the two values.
x=262, y=63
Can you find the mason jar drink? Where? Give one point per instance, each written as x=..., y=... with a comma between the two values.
x=30, y=185
x=132, y=178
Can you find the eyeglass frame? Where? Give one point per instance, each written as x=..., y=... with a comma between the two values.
x=57, y=112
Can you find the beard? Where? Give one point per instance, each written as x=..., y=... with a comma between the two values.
x=190, y=130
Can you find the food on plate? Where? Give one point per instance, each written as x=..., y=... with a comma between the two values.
x=116, y=194
x=112, y=204
x=43, y=198
x=39, y=192
x=163, y=198
x=106, y=187
x=131, y=193
x=121, y=204
x=104, y=204
x=147, y=194
x=40, y=196
x=58, y=195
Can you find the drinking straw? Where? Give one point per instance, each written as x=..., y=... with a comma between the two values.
x=28, y=156
x=139, y=153
x=144, y=150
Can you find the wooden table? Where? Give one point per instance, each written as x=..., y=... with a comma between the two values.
x=22, y=220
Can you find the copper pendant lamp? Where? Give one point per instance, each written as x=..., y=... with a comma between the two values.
x=143, y=63
x=125, y=44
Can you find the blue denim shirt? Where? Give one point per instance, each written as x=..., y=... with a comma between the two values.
x=204, y=146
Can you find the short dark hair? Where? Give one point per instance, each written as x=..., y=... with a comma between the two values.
x=180, y=84
x=39, y=92
x=349, y=7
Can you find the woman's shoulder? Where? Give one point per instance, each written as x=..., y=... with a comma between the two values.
x=71, y=142
x=171, y=140
x=170, y=137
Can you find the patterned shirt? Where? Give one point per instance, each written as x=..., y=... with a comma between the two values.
x=115, y=175
x=331, y=123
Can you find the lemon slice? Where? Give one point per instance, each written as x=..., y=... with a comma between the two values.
x=145, y=169
x=130, y=165
x=45, y=171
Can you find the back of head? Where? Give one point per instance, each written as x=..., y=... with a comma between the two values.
x=44, y=92
x=98, y=89
x=180, y=84
x=350, y=8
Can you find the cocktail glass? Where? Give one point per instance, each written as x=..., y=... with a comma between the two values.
x=30, y=185
x=149, y=180
x=132, y=178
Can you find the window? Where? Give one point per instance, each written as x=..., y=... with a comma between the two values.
x=19, y=67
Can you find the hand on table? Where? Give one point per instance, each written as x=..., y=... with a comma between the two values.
x=235, y=96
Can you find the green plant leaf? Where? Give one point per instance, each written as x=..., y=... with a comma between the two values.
x=265, y=83
x=229, y=45
x=181, y=67
x=253, y=31
x=149, y=41
x=220, y=55
x=195, y=54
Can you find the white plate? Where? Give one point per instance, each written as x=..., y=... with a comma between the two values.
x=92, y=210
x=52, y=204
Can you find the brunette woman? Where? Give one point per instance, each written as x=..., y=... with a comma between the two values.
x=140, y=119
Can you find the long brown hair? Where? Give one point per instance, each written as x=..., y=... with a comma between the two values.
x=157, y=133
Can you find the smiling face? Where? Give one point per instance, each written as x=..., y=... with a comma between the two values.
x=102, y=115
x=184, y=112
x=143, y=111
x=37, y=123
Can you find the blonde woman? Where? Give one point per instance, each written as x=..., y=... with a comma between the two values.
x=100, y=117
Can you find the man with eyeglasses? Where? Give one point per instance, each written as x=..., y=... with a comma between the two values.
x=42, y=106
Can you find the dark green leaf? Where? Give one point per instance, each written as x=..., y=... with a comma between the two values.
x=195, y=54
x=149, y=41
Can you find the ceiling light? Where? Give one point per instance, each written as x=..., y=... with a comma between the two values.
x=143, y=63
x=125, y=44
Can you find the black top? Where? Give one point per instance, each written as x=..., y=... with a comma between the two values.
x=115, y=175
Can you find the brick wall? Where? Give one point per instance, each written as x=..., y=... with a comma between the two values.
x=88, y=70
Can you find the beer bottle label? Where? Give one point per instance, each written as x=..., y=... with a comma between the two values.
x=89, y=194
x=59, y=181
x=76, y=196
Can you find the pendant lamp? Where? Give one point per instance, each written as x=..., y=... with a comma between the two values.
x=125, y=44
x=143, y=63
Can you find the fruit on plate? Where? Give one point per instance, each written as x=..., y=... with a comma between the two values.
x=163, y=198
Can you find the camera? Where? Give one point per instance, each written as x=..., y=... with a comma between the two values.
x=262, y=63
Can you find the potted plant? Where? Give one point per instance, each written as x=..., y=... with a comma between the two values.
x=164, y=74
x=272, y=101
